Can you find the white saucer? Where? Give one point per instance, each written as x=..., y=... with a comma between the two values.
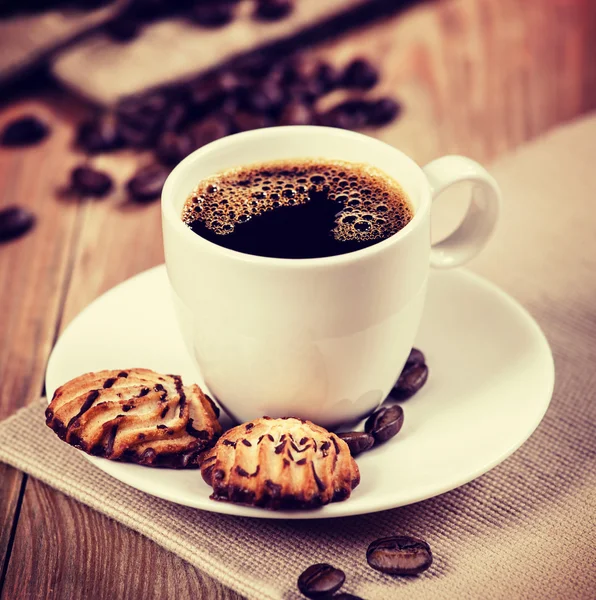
x=491, y=380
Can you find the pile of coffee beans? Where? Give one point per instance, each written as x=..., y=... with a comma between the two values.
x=204, y=13
x=253, y=92
x=387, y=421
x=395, y=555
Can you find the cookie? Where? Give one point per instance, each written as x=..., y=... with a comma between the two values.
x=280, y=464
x=135, y=415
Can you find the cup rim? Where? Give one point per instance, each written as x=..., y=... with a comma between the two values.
x=172, y=217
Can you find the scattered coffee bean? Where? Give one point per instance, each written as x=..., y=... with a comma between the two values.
x=357, y=441
x=320, y=581
x=399, y=555
x=351, y=114
x=90, y=182
x=24, y=131
x=147, y=183
x=360, y=74
x=173, y=147
x=296, y=113
x=385, y=423
x=215, y=14
x=100, y=134
x=14, y=222
x=412, y=378
x=383, y=111
x=272, y=10
x=416, y=357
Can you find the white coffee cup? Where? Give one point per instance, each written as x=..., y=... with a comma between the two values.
x=320, y=338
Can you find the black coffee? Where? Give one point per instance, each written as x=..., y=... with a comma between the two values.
x=298, y=208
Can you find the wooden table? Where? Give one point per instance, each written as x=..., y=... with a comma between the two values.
x=476, y=76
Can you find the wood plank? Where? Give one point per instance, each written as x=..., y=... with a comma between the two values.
x=33, y=272
x=64, y=550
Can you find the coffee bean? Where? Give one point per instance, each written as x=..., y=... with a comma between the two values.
x=360, y=74
x=211, y=129
x=100, y=135
x=90, y=182
x=245, y=121
x=173, y=147
x=346, y=596
x=357, y=441
x=174, y=118
x=24, y=131
x=272, y=10
x=385, y=423
x=14, y=222
x=327, y=76
x=213, y=15
x=320, y=581
x=296, y=113
x=147, y=183
x=412, y=378
x=264, y=99
x=383, y=111
x=416, y=357
x=351, y=114
x=399, y=555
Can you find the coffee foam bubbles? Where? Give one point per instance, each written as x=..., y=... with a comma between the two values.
x=370, y=204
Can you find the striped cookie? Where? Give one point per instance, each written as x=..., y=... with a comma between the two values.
x=135, y=415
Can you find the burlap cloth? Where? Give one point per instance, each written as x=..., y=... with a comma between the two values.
x=524, y=530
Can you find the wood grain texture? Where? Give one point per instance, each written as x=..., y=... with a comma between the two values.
x=477, y=77
x=86, y=555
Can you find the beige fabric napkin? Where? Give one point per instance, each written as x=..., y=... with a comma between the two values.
x=524, y=530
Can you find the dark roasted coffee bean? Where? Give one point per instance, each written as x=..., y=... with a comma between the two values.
x=327, y=77
x=351, y=114
x=174, y=118
x=320, y=581
x=173, y=147
x=272, y=10
x=100, y=135
x=24, y=131
x=208, y=93
x=14, y=222
x=209, y=130
x=123, y=29
x=360, y=74
x=412, y=378
x=357, y=441
x=265, y=99
x=416, y=357
x=147, y=183
x=385, y=423
x=245, y=121
x=296, y=113
x=399, y=555
x=90, y=182
x=215, y=14
x=256, y=64
x=383, y=111
x=346, y=596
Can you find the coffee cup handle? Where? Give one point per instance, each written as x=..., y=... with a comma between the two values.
x=479, y=221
